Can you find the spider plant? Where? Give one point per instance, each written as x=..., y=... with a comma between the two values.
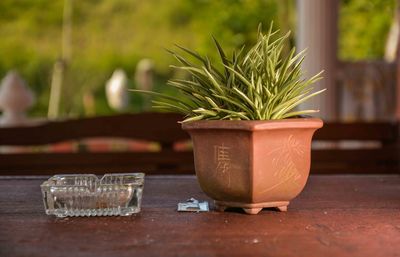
x=259, y=84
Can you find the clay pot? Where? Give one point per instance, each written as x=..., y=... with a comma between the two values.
x=252, y=164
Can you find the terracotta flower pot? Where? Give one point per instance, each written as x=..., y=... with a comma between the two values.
x=252, y=164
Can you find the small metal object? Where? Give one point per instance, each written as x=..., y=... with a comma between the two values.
x=193, y=205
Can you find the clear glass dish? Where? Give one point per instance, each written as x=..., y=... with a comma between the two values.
x=87, y=195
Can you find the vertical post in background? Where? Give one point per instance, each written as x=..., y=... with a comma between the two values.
x=318, y=32
x=285, y=23
x=398, y=64
x=60, y=66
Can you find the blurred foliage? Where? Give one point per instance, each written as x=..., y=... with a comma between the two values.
x=116, y=34
x=363, y=28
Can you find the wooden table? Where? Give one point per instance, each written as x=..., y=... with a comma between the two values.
x=334, y=216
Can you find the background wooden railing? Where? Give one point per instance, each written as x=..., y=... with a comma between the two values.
x=366, y=90
x=161, y=128
x=359, y=147
x=376, y=149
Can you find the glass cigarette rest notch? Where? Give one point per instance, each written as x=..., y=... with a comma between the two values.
x=87, y=195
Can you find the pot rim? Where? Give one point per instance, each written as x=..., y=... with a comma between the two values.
x=252, y=125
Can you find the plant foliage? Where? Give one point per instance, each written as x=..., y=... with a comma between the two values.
x=260, y=84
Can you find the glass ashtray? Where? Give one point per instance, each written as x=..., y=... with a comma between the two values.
x=87, y=195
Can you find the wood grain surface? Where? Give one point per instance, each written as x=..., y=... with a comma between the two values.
x=336, y=215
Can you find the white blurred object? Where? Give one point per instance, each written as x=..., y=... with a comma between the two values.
x=391, y=43
x=144, y=74
x=15, y=99
x=144, y=78
x=117, y=90
x=392, y=40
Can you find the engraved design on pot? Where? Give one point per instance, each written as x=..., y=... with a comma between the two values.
x=222, y=160
x=283, y=163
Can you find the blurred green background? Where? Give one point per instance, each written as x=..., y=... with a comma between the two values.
x=116, y=34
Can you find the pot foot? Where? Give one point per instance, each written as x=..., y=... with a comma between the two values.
x=252, y=210
x=282, y=208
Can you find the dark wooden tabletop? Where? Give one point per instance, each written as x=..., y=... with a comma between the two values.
x=334, y=216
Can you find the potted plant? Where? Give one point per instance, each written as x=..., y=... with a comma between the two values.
x=251, y=148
